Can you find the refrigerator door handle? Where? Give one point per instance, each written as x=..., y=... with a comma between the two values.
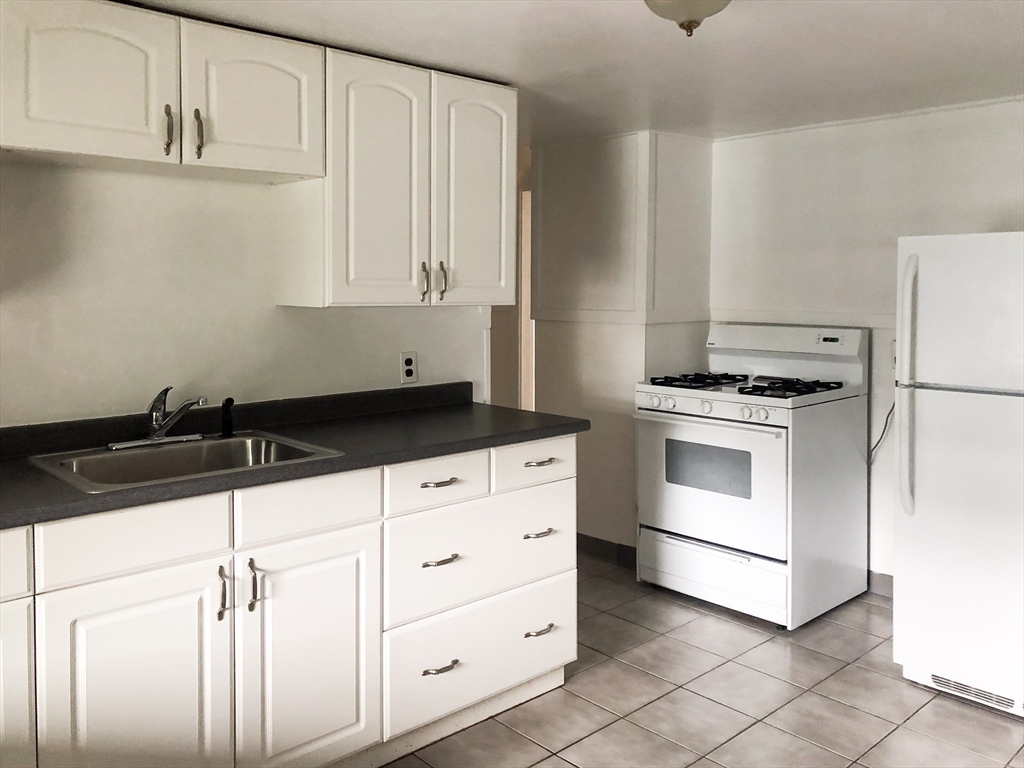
x=905, y=341
x=906, y=437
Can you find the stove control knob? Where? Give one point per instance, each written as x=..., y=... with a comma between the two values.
x=705, y=406
x=655, y=401
x=669, y=403
x=745, y=412
x=762, y=414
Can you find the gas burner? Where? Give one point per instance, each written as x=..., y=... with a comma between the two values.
x=698, y=380
x=777, y=386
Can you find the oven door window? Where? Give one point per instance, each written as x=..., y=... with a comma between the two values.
x=708, y=467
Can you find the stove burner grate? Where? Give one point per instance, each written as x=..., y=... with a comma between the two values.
x=698, y=380
x=777, y=386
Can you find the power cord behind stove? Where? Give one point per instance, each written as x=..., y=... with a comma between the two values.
x=881, y=437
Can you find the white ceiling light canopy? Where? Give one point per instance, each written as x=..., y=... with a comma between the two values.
x=688, y=14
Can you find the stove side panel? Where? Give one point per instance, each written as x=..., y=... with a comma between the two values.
x=828, y=482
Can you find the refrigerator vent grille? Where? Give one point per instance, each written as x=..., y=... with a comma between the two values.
x=975, y=693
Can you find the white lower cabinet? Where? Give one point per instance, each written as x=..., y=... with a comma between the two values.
x=136, y=671
x=307, y=682
x=446, y=662
x=17, y=685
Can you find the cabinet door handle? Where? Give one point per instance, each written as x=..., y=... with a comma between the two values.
x=426, y=281
x=444, y=281
x=438, y=563
x=170, y=129
x=545, y=463
x=440, y=670
x=255, y=584
x=440, y=483
x=540, y=535
x=540, y=632
x=200, y=140
x=223, y=593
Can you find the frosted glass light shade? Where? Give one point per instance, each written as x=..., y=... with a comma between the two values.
x=688, y=14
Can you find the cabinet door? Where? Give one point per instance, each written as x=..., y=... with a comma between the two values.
x=90, y=78
x=136, y=670
x=17, y=686
x=379, y=130
x=260, y=101
x=308, y=652
x=474, y=191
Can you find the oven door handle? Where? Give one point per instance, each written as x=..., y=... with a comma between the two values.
x=679, y=420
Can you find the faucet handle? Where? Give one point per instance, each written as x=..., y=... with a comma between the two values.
x=158, y=408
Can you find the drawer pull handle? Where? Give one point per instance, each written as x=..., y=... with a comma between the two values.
x=252, y=600
x=540, y=632
x=440, y=670
x=545, y=463
x=440, y=483
x=223, y=593
x=437, y=563
x=540, y=535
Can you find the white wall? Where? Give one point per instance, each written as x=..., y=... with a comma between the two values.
x=114, y=285
x=804, y=228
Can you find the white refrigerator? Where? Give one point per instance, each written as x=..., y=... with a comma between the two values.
x=958, y=580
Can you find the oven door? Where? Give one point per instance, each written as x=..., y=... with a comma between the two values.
x=716, y=481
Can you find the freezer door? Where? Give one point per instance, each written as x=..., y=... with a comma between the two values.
x=959, y=569
x=960, y=319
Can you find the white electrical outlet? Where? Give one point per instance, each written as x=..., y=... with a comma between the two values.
x=410, y=368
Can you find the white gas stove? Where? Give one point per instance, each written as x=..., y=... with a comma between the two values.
x=752, y=478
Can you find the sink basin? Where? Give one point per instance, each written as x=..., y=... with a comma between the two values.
x=98, y=470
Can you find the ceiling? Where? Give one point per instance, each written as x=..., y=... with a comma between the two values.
x=590, y=67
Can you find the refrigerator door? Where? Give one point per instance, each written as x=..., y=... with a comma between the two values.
x=959, y=572
x=960, y=315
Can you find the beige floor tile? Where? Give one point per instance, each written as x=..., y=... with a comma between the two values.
x=1018, y=760
x=488, y=745
x=879, y=659
x=585, y=611
x=556, y=719
x=762, y=746
x=877, y=694
x=593, y=565
x=672, y=659
x=602, y=593
x=657, y=613
x=582, y=575
x=691, y=720
x=871, y=597
x=867, y=617
x=980, y=730
x=747, y=690
x=553, y=762
x=904, y=748
x=624, y=745
x=705, y=763
x=617, y=686
x=612, y=635
x=409, y=761
x=790, y=662
x=627, y=576
x=830, y=724
x=833, y=639
x=720, y=636
x=585, y=659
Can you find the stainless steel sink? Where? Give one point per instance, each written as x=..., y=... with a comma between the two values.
x=98, y=470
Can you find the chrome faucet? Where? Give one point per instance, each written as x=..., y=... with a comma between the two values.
x=160, y=422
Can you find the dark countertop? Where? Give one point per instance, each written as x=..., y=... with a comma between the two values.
x=30, y=495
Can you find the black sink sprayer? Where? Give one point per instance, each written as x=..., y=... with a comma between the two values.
x=227, y=426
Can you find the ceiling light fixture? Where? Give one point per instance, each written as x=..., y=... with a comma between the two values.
x=688, y=14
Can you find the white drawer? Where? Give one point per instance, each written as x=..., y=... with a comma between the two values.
x=418, y=485
x=136, y=539
x=541, y=461
x=748, y=584
x=488, y=639
x=281, y=510
x=15, y=562
x=488, y=537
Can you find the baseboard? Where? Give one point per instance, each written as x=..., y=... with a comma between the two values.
x=620, y=554
x=880, y=583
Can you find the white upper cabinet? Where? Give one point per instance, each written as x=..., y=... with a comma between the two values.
x=251, y=101
x=474, y=191
x=379, y=187
x=89, y=78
